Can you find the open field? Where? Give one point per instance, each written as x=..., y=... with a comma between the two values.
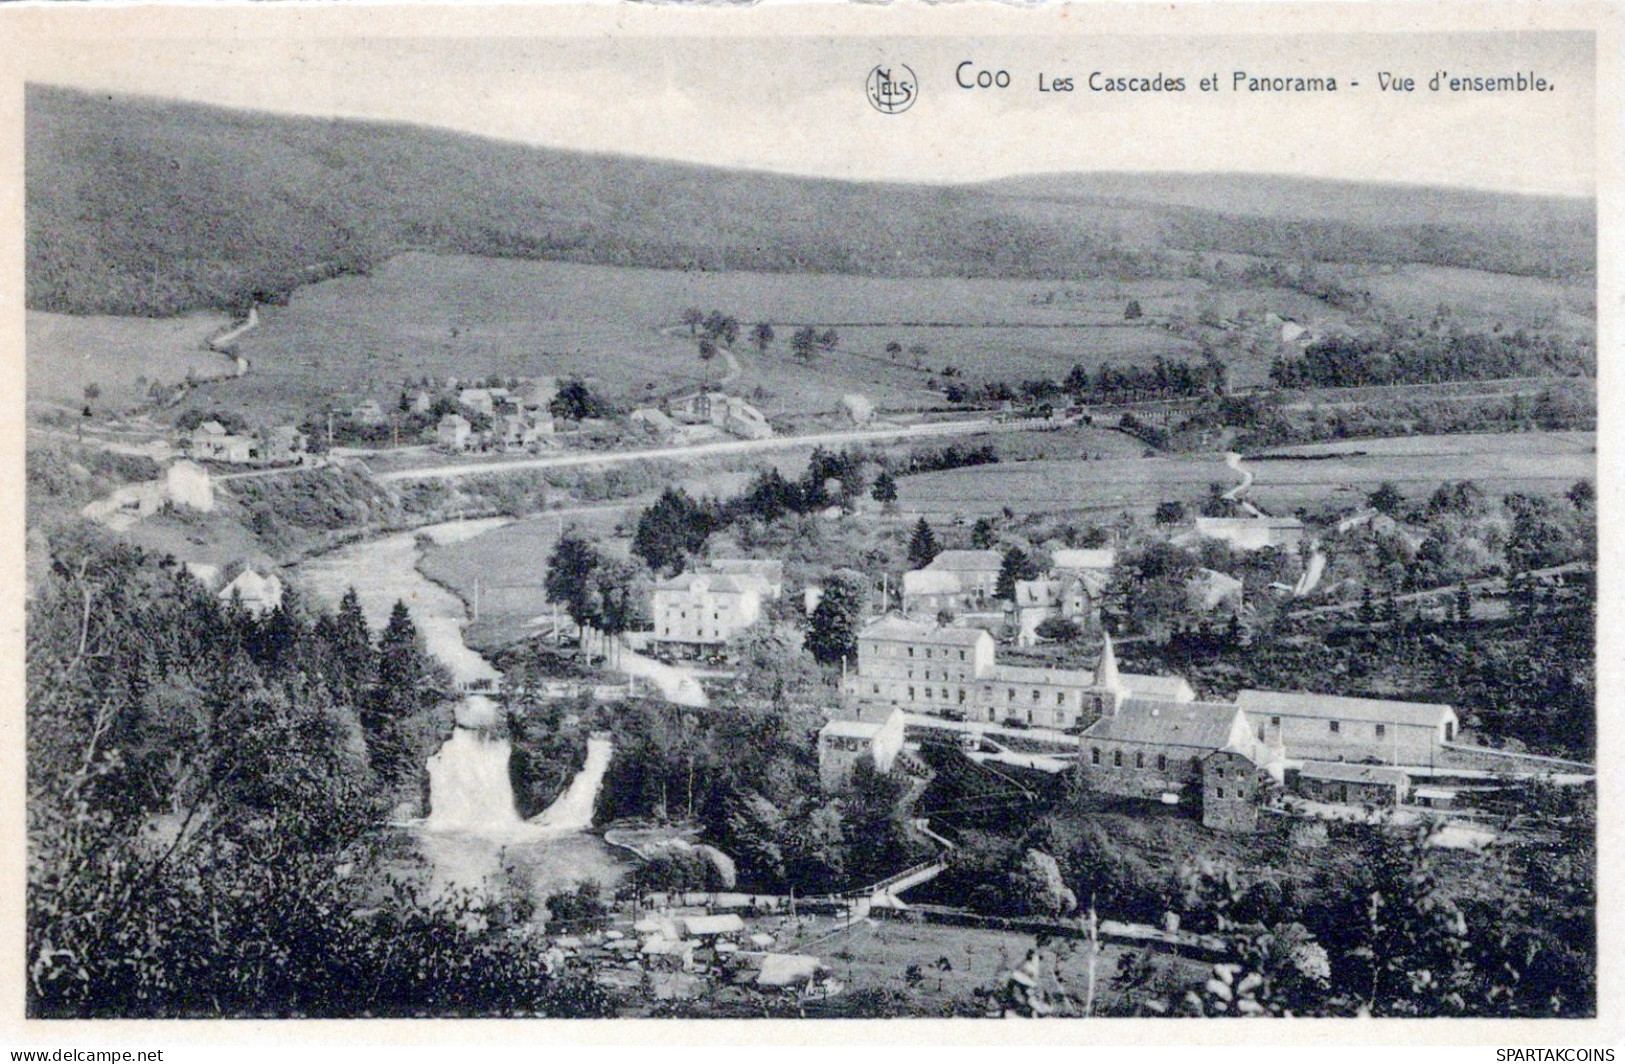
x=1478, y=298
x=1535, y=462
x=504, y=570
x=1532, y=462
x=452, y=315
x=122, y=356
x=1054, y=485
x=355, y=337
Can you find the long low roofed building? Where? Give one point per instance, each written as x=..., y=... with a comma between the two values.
x=1340, y=728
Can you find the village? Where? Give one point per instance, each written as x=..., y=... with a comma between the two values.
x=927, y=688
x=964, y=673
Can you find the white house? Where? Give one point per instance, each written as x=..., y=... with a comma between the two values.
x=258, y=594
x=696, y=611
x=955, y=580
x=211, y=442
x=452, y=433
x=844, y=744
x=188, y=484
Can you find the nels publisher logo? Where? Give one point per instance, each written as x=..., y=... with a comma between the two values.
x=892, y=89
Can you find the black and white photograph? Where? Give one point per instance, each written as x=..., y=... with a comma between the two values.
x=1085, y=513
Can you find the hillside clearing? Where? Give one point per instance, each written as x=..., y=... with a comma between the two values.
x=1532, y=462
x=121, y=356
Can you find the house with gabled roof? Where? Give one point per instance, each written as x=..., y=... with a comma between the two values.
x=699, y=611
x=1083, y=560
x=923, y=668
x=844, y=744
x=212, y=443
x=257, y=594
x=1346, y=783
x=955, y=581
x=1148, y=747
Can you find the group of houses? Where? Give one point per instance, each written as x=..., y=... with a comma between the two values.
x=953, y=672
x=493, y=418
x=1140, y=736
x=963, y=584
x=690, y=418
x=282, y=445
x=682, y=951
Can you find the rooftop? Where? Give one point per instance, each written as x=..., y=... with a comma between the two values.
x=898, y=630
x=852, y=729
x=725, y=583
x=1039, y=675
x=1339, y=707
x=959, y=561
x=1196, y=725
x=1038, y=592
x=1349, y=772
x=930, y=582
x=1166, y=688
x=1083, y=559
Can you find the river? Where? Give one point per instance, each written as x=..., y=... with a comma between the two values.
x=473, y=831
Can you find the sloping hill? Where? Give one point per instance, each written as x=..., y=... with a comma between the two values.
x=143, y=206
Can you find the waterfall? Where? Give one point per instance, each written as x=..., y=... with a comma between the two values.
x=469, y=788
x=572, y=810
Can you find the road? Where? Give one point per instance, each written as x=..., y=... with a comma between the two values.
x=929, y=430
x=1310, y=578
x=1489, y=584
x=681, y=332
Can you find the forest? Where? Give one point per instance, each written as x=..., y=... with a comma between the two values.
x=248, y=207
x=205, y=795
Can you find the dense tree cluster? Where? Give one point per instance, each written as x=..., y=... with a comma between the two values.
x=748, y=774
x=1165, y=378
x=599, y=591
x=832, y=634
x=1421, y=357
x=204, y=787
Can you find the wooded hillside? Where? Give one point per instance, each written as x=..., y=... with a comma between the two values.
x=144, y=206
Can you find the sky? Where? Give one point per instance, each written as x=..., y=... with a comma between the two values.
x=795, y=102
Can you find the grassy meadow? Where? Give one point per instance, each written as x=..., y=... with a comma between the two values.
x=1539, y=462
x=465, y=316
x=121, y=356
x=418, y=314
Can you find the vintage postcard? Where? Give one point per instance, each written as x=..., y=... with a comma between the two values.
x=653, y=522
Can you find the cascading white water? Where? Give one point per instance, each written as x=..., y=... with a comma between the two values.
x=471, y=800
x=572, y=810
x=469, y=788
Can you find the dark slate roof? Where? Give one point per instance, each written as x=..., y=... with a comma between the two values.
x=960, y=561
x=895, y=629
x=1197, y=725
